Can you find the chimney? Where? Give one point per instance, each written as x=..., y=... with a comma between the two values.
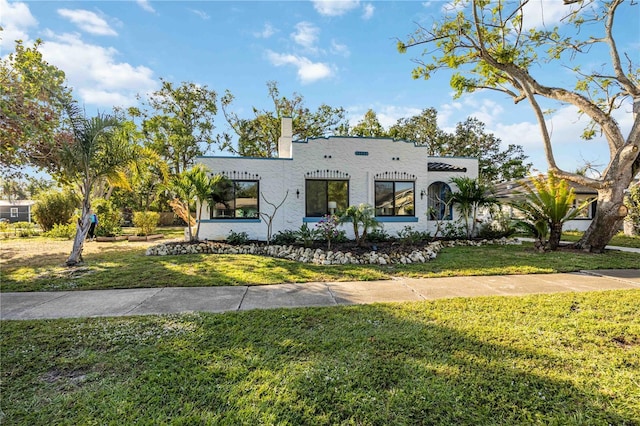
x=286, y=138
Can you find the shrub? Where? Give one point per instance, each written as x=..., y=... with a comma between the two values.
x=54, y=207
x=109, y=218
x=237, y=238
x=146, y=222
x=500, y=226
x=284, y=238
x=306, y=236
x=454, y=231
x=60, y=230
x=410, y=236
x=24, y=229
x=378, y=235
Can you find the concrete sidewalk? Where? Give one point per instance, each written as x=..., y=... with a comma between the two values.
x=97, y=303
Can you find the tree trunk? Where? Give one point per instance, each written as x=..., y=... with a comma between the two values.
x=555, y=232
x=609, y=216
x=84, y=222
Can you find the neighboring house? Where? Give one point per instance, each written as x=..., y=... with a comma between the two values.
x=325, y=175
x=16, y=211
x=509, y=191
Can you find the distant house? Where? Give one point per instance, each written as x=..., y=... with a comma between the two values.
x=509, y=191
x=319, y=176
x=16, y=211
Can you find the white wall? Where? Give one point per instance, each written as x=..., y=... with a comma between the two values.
x=334, y=154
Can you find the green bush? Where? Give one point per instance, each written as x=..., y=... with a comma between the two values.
x=410, y=236
x=146, y=222
x=284, y=238
x=54, y=207
x=24, y=229
x=378, y=235
x=66, y=231
x=237, y=238
x=109, y=218
x=306, y=236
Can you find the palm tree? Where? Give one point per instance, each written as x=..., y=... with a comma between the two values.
x=361, y=215
x=547, y=203
x=203, y=184
x=469, y=198
x=94, y=152
x=182, y=188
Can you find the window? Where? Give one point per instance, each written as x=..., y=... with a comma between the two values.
x=394, y=198
x=319, y=193
x=14, y=212
x=235, y=199
x=437, y=197
x=587, y=212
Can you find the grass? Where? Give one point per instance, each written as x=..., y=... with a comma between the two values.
x=124, y=265
x=618, y=240
x=564, y=359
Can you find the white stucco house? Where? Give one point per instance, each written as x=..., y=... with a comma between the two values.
x=318, y=176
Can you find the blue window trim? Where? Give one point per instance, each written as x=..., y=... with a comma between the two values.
x=312, y=219
x=396, y=219
x=238, y=220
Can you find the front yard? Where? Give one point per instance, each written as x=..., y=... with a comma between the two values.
x=564, y=359
x=36, y=264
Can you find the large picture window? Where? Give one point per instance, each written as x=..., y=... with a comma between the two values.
x=395, y=198
x=235, y=199
x=320, y=193
x=438, y=196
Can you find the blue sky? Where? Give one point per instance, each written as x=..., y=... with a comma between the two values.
x=341, y=53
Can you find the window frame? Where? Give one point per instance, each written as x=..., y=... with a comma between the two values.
x=393, y=191
x=326, y=201
x=14, y=212
x=234, y=208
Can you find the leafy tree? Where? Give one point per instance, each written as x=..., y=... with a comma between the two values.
x=469, y=140
x=258, y=136
x=495, y=165
x=95, y=151
x=363, y=216
x=489, y=47
x=32, y=95
x=369, y=126
x=547, y=203
x=469, y=197
x=421, y=129
x=179, y=123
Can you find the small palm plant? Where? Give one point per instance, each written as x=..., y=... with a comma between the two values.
x=360, y=216
x=469, y=198
x=547, y=203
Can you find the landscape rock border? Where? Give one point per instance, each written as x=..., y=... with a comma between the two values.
x=318, y=256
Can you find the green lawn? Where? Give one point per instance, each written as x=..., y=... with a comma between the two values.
x=618, y=240
x=564, y=359
x=123, y=265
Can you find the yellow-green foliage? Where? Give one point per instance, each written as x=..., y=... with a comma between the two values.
x=146, y=222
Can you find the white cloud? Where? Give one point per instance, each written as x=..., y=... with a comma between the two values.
x=15, y=19
x=308, y=72
x=340, y=49
x=88, y=21
x=368, y=11
x=146, y=5
x=306, y=35
x=202, y=14
x=94, y=72
x=335, y=7
x=266, y=32
x=541, y=13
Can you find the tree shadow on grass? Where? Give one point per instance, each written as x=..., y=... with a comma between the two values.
x=464, y=361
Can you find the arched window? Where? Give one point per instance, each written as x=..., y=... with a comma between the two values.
x=438, y=195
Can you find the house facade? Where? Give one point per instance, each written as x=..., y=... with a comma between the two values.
x=319, y=176
x=16, y=210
